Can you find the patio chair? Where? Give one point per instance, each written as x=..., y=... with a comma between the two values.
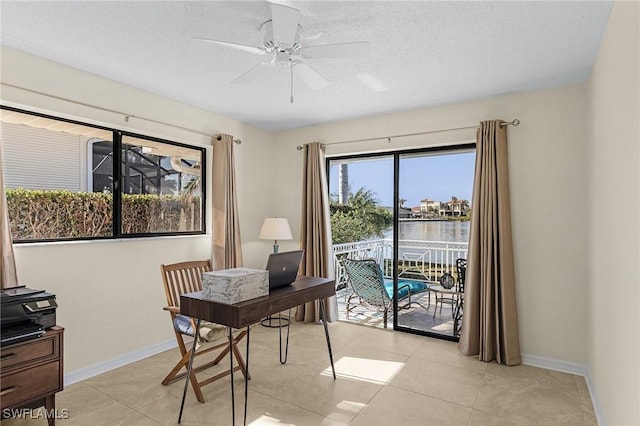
x=461, y=269
x=186, y=277
x=368, y=284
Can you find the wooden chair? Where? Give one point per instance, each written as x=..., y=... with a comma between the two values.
x=186, y=277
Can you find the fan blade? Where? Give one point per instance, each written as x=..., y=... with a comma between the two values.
x=243, y=47
x=357, y=49
x=250, y=75
x=309, y=76
x=285, y=23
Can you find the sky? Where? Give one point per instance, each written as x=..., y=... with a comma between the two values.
x=436, y=177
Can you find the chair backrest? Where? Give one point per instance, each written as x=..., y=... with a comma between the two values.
x=365, y=277
x=461, y=269
x=183, y=277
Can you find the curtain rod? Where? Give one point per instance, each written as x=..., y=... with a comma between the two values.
x=127, y=117
x=515, y=123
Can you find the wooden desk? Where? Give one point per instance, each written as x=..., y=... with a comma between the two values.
x=32, y=373
x=244, y=314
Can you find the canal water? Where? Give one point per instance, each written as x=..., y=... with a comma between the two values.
x=431, y=230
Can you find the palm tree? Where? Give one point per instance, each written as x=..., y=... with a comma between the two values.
x=368, y=207
x=464, y=205
x=455, y=206
x=343, y=185
x=360, y=218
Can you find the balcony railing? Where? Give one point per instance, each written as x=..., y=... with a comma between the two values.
x=417, y=259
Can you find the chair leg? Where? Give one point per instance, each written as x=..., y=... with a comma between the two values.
x=231, y=351
x=348, y=302
x=196, y=387
x=179, y=366
x=385, y=318
x=240, y=360
x=222, y=354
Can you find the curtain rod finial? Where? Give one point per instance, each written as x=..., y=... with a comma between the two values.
x=299, y=147
x=515, y=122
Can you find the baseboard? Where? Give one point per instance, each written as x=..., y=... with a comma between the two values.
x=103, y=367
x=554, y=364
x=571, y=368
x=597, y=409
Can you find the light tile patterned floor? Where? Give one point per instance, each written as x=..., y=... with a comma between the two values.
x=384, y=378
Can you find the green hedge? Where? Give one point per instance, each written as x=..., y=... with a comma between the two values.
x=39, y=214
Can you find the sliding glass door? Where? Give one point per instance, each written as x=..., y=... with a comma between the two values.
x=432, y=235
x=408, y=214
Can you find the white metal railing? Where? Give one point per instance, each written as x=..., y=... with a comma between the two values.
x=417, y=259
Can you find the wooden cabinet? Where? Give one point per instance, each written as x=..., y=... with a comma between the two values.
x=31, y=373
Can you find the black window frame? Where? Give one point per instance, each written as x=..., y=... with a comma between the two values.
x=117, y=135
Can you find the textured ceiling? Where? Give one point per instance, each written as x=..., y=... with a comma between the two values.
x=422, y=53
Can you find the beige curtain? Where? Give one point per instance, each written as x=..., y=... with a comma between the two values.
x=8, y=275
x=490, y=322
x=315, y=231
x=227, y=247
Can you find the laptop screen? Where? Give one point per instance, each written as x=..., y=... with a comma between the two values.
x=283, y=267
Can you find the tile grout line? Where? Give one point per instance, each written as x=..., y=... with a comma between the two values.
x=119, y=402
x=475, y=399
x=368, y=402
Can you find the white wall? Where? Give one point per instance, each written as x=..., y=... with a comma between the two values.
x=547, y=155
x=110, y=293
x=614, y=220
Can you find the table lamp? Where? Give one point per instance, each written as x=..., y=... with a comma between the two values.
x=275, y=228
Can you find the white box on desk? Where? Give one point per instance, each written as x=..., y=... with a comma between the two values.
x=235, y=285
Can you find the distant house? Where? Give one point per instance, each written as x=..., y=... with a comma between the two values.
x=455, y=207
x=430, y=208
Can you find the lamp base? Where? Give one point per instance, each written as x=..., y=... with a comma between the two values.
x=275, y=248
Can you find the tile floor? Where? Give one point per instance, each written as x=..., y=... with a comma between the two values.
x=384, y=378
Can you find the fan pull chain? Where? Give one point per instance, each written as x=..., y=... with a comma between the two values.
x=291, y=68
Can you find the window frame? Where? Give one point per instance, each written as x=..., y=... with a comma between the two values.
x=117, y=136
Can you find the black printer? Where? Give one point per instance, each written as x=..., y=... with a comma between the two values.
x=25, y=314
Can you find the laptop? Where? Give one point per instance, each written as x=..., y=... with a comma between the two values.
x=283, y=268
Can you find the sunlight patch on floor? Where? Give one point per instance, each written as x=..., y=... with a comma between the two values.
x=265, y=419
x=364, y=369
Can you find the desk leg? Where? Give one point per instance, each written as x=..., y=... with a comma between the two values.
x=233, y=399
x=286, y=350
x=186, y=382
x=246, y=378
x=326, y=333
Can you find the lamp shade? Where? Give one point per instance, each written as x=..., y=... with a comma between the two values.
x=275, y=228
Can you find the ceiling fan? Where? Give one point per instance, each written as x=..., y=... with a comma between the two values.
x=284, y=46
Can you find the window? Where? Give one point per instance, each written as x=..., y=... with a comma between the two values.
x=70, y=180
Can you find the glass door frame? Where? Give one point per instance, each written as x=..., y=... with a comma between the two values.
x=396, y=154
